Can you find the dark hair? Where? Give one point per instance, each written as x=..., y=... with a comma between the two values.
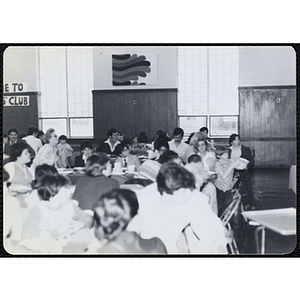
x=96, y=163
x=159, y=142
x=31, y=130
x=5, y=175
x=22, y=135
x=202, y=129
x=163, y=135
x=12, y=130
x=142, y=138
x=123, y=206
x=86, y=144
x=50, y=185
x=168, y=156
x=120, y=147
x=178, y=131
x=220, y=150
x=172, y=177
x=111, y=131
x=40, y=133
x=194, y=158
x=17, y=149
x=42, y=170
x=5, y=135
x=190, y=136
x=62, y=137
x=232, y=138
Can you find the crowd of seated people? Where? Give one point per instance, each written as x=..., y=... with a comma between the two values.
x=185, y=188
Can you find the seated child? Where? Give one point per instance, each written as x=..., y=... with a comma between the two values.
x=225, y=181
x=125, y=158
x=65, y=153
x=56, y=220
x=203, y=184
x=86, y=148
x=112, y=213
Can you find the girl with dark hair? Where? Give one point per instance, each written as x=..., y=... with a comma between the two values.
x=89, y=188
x=20, y=176
x=112, y=213
x=56, y=219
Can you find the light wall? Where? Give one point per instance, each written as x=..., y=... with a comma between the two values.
x=267, y=66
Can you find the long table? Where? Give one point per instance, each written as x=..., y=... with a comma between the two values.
x=282, y=221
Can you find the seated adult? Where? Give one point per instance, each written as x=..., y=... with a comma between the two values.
x=20, y=176
x=55, y=220
x=208, y=157
x=109, y=145
x=112, y=213
x=237, y=150
x=86, y=148
x=48, y=153
x=193, y=145
x=179, y=206
x=177, y=145
x=210, y=142
x=160, y=146
x=32, y=139
x=94, y=184
x=125, y=158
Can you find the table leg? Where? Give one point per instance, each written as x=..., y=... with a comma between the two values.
x=263, y=239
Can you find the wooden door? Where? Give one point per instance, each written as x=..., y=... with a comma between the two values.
x=133, y=111
x=268, y=124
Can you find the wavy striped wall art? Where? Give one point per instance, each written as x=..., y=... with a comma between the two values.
x=130, y=69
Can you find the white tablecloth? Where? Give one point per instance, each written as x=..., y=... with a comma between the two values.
x=292, y=179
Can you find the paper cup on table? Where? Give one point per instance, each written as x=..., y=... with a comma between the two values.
x=131, y=169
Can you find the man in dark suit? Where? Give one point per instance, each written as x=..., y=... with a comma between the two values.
x=237, y=150
x=86, y=148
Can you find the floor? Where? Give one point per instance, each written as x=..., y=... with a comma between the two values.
x=270, y=191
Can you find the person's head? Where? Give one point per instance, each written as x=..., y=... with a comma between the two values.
x=161, y=145
x=204, y=130
x=32, y=130
x=190, y=137
x=142, y=138
x=41, y=171
x=172, y=177
x=201, y=175
x=19, y=153
x=221, y=152
x=96, y=163
x=178, y=134
x=41, y=136
x=135, y=139
x=113, y=134
x=123, y=149
x=149, y=169
x=202, y=145
x=169, y=156
x=62, y=139
x=51, y=137
x=194, y=158
x=197, y=136
x=164, y=135
x=86, y=148
x=50, y=185
x=113, y=211
x=234, y=140
x=13, y=134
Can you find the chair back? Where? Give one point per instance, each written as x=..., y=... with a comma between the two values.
x=231, y=208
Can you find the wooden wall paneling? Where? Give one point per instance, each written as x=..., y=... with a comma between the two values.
x=21, y=117
x=171, y=112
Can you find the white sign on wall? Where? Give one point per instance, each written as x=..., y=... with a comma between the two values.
x=16, y=100
x=14, y=87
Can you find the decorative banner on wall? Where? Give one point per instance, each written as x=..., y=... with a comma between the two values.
x=16, y=100
x=134, y=69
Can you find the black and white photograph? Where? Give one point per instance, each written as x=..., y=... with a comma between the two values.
x=149, y=150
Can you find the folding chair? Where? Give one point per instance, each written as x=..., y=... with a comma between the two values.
x=229, y=212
